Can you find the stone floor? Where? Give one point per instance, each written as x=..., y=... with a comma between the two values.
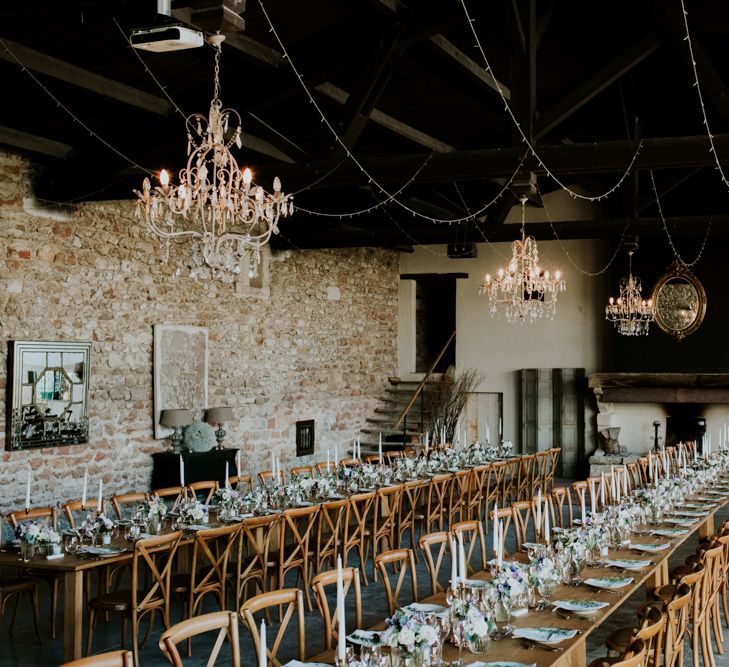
x=23, y=650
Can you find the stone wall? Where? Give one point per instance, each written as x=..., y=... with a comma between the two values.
x=317, y=343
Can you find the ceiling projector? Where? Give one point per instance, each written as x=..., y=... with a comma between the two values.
x=166, y=38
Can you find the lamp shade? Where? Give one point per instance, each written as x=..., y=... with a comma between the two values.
x=219, y=415
x=175, y=417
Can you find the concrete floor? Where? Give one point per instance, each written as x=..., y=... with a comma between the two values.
x=23, y=650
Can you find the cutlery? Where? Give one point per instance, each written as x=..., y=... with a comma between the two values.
x=530, y=645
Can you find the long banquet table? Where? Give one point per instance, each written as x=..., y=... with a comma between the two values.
x=74, y=567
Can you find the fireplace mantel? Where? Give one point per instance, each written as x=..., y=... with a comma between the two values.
x=660, y=387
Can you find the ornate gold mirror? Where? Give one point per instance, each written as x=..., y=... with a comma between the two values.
x=679, y=300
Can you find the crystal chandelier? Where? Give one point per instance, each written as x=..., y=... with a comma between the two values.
x=214, y=206
x=522, y=291
x=630, y=313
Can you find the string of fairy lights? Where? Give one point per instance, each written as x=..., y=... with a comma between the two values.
x=392, y=197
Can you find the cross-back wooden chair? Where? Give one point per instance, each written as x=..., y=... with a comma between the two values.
x=704, y=605
x=349, y=462
x=152, y=562
x=522, y=514
x=634, y=656
x=294, y=551
x=556, y=452
x=350, y=581
x=436, y=502
x=509, y=482
x=293, y=599
x=690, y=449
x=503, y=514
x=634, y=478
x=560, y=500
x=203, y=491
x=265, y=476
x=385, y=517
x=75, y=513
x=672, y=459
x=596, y=482
x=582, y=496
x=428, y=543
x=321, y=467
x=409, y=513
x=391, y=456
x=356, y=528
x=494, y=484
x=643, y=469
x=651, y=625
x=477, y=488
x=252, y=562
x=16, y=587
x=373, y=458
x=677, y=612
x=540, y=476
x=208, y=573
x=225, y=622
x=525, y=477
x=106, y=659
x=307, y=471
x=242, y=483
x=172, y=495
x=54, y=579
x=329, y=532
x=404, y=559
x=458, y=497
x=474, y=542
x=127, y=500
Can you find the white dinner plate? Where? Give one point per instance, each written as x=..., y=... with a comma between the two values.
x=580, y=606
x=365, y=638
x=670, y=532
x=650, y=548
x=628, y=563
x=609, y=583
x=544, y=635
x=104, y=552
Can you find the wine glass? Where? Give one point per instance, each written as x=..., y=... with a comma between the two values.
x=459, y=637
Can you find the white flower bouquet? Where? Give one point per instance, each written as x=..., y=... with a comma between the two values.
x=194, y=512
x=408, y=633
x=28, y=531
x=155, y=507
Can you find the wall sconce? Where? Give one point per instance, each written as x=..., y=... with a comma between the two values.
x=176, y=419
x=219, y=416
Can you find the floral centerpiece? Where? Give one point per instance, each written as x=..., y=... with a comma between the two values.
x=326, y=486
x=506, y=448
x=228, y=500
x=155, y=506
x=408, y=636
x=103, y=527
x=544, y=575
x=510, y=581
x=304, y=483
x=194, y=512
x=27, y=532
x=49, y=540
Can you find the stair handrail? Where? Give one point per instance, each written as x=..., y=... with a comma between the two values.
x=415, y=395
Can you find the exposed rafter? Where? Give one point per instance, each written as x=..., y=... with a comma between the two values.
x=32, y=142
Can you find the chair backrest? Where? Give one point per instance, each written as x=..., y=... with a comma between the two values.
x=265, y=476
x=556, y=452
x=350, y=581
x=652, y=626
x=427, y=542
x=123, y=499
x=596, y=483
x=458, y=500
x=253, y=547
x=476, y=492
x=522, y=514
x=76, y=506
x=409, y=500
x=405, y=558
x=643, y=469
x=225, y=622
x=329, y=531
x=509, y=481
x=108, y=659
x=494, y=483
x=503, y=514
x=203, y=491
x=151, y=570
x=176, y=493
x=356, y=524
x=634, y=478
x=322, y=468
x=525, y=476
x=634, y=656
x=242, y=483
x=473, y=541
x=672, y=458
x=385, y=515
x=302, y=470
x=295, y=529
x=348, y=462
x=678, y=612
x=47, y=515
x=560, y=500
x=210, y=555
x=713, y=562
x=294, y=601
x=437, y=501
x=542, y=468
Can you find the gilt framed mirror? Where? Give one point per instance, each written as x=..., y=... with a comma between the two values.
x=47, y=397
x=679, y=301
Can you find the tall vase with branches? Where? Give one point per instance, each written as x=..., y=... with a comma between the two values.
x=447, y=400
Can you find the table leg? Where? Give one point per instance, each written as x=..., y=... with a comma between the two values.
x=706, y=529
x=73, y=615
x=575, y=657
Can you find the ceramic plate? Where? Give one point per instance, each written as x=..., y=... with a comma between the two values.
x=706, y=499
x=544, y=635
x=425, y=608
x=364, y=638
x=650, y=548
x=337, y=496
x=610, y=583
x=196, y=526
x=580, y=606
x=298, y=663
x=670, y=532
x=679, y=522
x=697, y=506
x=305, y=503
x=629, y=564
x=104, y=552
x=693, y=513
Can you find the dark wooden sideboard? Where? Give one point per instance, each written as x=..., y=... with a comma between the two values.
x=199, y=467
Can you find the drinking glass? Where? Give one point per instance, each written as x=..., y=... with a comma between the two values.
x=458, y=629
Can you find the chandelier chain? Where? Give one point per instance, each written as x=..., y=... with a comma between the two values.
x=676, y=254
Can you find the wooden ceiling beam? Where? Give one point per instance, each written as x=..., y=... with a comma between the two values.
x=607, y=157
x=605, y=77
x=32, y=142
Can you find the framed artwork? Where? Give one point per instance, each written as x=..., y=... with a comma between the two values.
x=47, y=396
x=180, y=371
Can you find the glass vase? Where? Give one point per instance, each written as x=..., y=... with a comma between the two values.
x=403, y=658
x=27, y=551
x=478, y=644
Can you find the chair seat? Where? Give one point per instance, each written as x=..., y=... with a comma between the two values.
x=605, y=662
x=9, y=586
x=120, y=601
x=619, y=640
x=663, y=593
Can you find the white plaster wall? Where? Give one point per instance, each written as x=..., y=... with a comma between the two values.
x=499, y=349
x=636, y=423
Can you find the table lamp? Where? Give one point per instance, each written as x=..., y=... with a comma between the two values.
x=219, y=416
x=176, y=419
